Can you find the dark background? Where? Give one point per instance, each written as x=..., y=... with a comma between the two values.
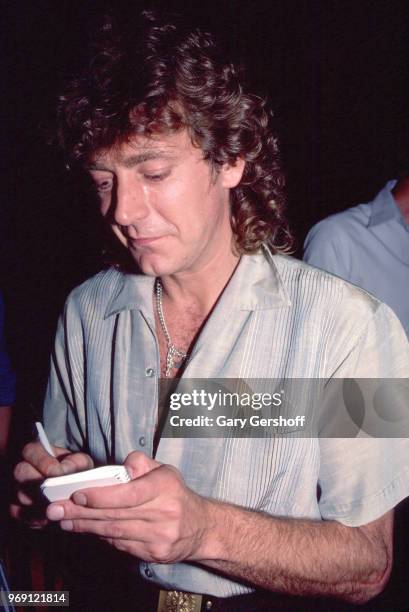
x=336, y=73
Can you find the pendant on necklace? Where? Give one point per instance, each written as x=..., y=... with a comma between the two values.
x=174, y=359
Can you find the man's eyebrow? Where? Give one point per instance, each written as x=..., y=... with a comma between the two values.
x=133, y=160
x=139, y=158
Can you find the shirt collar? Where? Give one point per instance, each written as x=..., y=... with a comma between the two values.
x=256, y=284
x=384, y=206
x=134, y=293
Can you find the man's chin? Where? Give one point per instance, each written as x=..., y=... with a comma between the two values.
x=152, y=266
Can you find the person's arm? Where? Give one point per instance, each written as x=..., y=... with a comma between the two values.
x=303, y=557
x=7, y=386
x=5, y=420
x=158, y=519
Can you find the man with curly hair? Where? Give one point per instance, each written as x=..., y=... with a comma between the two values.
x=187, y=174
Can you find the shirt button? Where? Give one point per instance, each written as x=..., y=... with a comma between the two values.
x=149, y=372
x=142, y=441
x=148, y=572
x=208, y=605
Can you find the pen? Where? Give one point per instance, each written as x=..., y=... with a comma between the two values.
x=43, y=439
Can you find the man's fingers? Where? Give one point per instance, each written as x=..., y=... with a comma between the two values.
x=138, y=464
x=127, y=495
x=128, y=530
x=76, y=462
x=48, y=466
x=121, y=496
x=37, y=465
x=141, y=490
x=24, y=499
x=24, y=472
x=67, y=509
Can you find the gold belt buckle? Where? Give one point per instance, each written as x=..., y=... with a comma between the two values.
x=179, y=601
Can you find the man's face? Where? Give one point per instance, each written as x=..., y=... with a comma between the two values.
x=165, y=204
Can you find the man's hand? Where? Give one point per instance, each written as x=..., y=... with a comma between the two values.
x=155, y=517
x=37, y=465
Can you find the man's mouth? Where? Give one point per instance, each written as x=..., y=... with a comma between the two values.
x=143, y=240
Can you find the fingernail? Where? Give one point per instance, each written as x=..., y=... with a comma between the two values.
x=131, y=472
x=80, y=499
x=55, y=513
x=66, y=525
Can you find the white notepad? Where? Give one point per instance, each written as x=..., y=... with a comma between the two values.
x=62, y=487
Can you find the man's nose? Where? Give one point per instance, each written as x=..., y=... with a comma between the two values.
x=131, y=203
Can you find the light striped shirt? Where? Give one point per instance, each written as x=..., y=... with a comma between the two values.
x=277, y=318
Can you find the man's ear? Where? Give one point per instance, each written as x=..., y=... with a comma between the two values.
x=231, y=173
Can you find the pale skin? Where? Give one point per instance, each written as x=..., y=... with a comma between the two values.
x=143, y=190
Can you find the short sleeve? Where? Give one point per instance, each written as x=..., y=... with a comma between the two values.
x=365, y=475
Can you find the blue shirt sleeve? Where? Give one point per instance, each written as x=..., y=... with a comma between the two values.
x=7, y=377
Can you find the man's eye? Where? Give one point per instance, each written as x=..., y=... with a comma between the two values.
x=156, y=176
x=104, y=186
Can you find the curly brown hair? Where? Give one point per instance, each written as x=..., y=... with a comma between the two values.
x=150, y=77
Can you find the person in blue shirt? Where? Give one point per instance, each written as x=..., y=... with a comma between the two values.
x=7, y=386
x=368, y=245
x=7, y=397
